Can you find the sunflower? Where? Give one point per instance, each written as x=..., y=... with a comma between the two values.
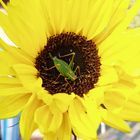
x=73, y=64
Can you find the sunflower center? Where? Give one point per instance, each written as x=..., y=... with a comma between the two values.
x=68, y=63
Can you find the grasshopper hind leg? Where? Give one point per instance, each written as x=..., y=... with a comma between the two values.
x=48, y=69
x=71, y=64
x=77, y=70
x=55, y=81
x=68, y=83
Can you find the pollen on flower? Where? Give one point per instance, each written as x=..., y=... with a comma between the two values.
x=86, y=59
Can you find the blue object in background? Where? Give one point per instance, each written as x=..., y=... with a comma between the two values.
x=10, y=129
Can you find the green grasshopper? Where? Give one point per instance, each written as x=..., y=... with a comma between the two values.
x=65, y=69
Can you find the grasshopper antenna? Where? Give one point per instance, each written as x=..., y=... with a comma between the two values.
x=50, y=55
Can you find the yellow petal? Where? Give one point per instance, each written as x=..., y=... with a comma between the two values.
x=5, y=64
x=91, y=108
x=34, y=37
x=122, y=92
x=135, y=98
x=64, y=133
x=28, y=76
x=114, y=121
x=16, y=53
x=9, y=80
x=119, y=12
x=25, y=69
x=55, y=19
x=50, y=28
x=81, y=124
x=50, y=136
x=55, y=122
x=14, y=2
x=42, y=118
x=47, y=122
x=54, y=109
x=116, y=104
x=108, y=76
x=27, y=124
x=11, y=105
x=63, y=101
x=45, y=96
x=97, y=94
x=129, y=54
x=13, y=90
x=131, y=110
x=76, y=17
x=91, y=16
x=121, y=27
x=129, y=17
x=132, y=106
x=131, y=115
x=100, y=18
